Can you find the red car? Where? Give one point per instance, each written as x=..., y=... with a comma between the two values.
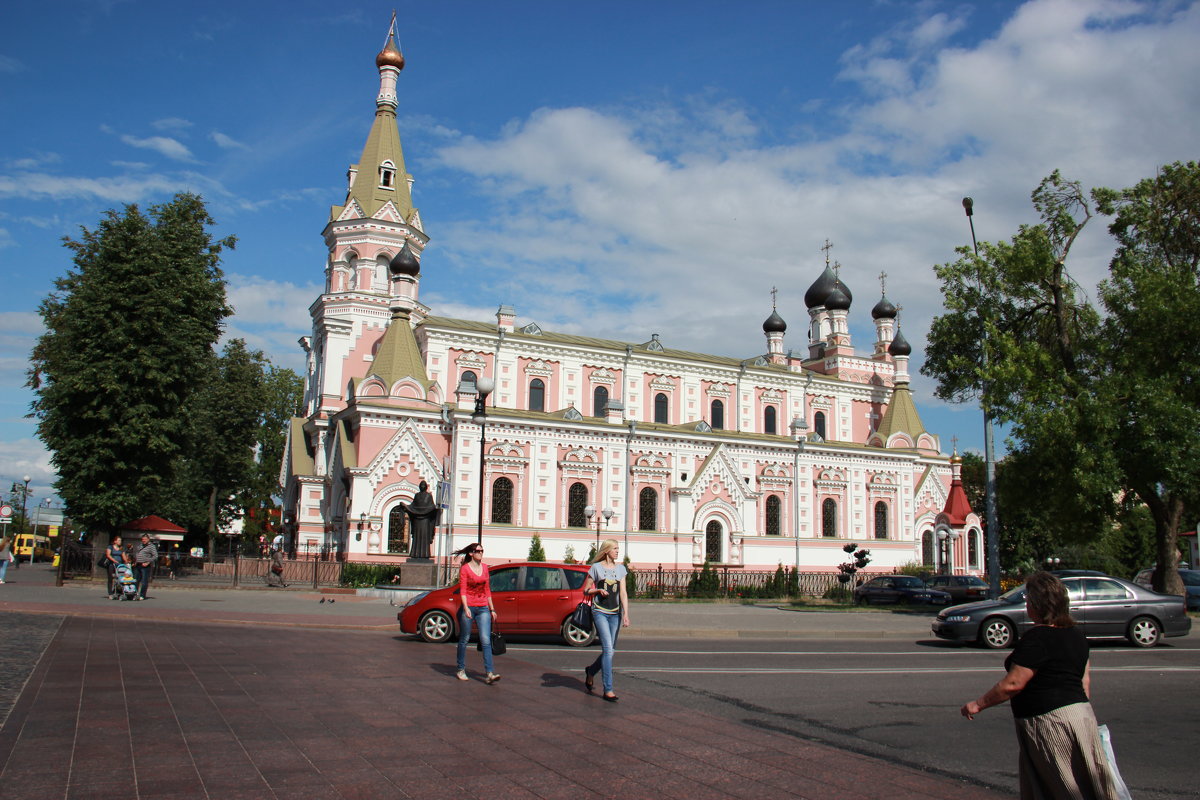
x=531, y=598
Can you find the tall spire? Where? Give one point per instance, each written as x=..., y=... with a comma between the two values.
x=379, y=177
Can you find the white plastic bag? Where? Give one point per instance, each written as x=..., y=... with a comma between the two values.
x=1118, y=781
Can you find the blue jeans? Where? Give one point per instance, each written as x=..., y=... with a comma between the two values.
x=143, y=578
x=3, y=566
x=607, y=628
x=483, y=616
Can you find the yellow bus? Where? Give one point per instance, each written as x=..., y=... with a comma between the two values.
x=32, y=547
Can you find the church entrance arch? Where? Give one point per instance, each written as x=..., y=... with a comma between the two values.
x=713, y=534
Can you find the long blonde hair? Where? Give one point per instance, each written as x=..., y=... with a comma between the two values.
x=605, y=546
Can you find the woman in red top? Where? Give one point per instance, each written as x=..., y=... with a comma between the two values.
x=475, y=590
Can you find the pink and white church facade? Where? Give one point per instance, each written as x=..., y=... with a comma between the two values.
x=777, y=458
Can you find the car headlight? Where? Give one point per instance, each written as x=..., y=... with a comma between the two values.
x=958, y=618
x=416, y=599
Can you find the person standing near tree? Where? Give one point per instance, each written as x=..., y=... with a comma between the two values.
x=112, y=557
x=146, y=558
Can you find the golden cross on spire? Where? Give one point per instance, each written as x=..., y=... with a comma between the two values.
x=827, y=247
x=774, y=292
x=883, y=283
x=898, y=310
x=954, y=439
x=837, y=269
x=391, y=27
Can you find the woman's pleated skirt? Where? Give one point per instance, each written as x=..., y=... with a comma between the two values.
x=1062, y=757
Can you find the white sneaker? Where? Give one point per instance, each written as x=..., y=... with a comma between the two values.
x=493, y=677
x=461, y=675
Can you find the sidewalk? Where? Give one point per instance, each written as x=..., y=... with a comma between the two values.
x=127, y=702
x=34, y=592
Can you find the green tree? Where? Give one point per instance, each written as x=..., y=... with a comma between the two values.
x=536, y=551
x=1097, y=406
x=128, y=331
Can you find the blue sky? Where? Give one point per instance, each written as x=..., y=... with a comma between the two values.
x=616, y=169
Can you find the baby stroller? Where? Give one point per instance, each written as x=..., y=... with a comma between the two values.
x=124, y=583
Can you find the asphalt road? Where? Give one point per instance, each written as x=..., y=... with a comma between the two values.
x=899, y=700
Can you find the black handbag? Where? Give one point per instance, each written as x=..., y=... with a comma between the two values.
x=499, y=647
x=581, y=617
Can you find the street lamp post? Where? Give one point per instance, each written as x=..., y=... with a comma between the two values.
x=989, y=453
x=483, y=387
x=606, y=515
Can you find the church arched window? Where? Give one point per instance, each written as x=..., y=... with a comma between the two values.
x=468, y=380
x=829, y=517
x=647, y=509
x=769, y=420
x=712, y=542
x=881, y=520
x=660, y=408
x=819, y=424
x=502, y=501
x=397, y=533
x=973, y=549
x=927, y=548
x=599, y=401
x=387, y=175
x=537, y=395
x=718, y=415
x=774, y=509
x=577, y=500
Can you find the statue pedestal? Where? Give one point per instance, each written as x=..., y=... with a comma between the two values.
x=418, y=572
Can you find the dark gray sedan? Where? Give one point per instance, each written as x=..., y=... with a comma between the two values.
x=1104, y=607
x=899, y=589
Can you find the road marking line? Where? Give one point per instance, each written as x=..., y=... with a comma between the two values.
x=942, y=653
x=864, y=670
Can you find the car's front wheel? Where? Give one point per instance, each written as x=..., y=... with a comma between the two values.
x=1143, y=632
x=576, y=636
x=996, y=633
x=436, y=627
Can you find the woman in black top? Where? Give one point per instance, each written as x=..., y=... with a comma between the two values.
x=1048, y=683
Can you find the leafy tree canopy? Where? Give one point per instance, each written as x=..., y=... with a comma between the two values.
x=1100, y=404
x=127, y=330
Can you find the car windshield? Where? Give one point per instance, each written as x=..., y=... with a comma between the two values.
x=1013, y=596
x=909, y=582
x=972, y=580
x=1190, y=577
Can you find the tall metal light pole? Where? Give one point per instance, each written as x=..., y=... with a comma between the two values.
x=483, y=387
x=989, y=453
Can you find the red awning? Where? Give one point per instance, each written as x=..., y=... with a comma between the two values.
x=156, y=526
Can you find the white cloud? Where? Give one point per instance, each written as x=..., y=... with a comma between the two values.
x=621, y=223
x=271, y=316
x=27, y=456
x=227, y=142
x=117, y=189
x=171, y=124
x=163, y=145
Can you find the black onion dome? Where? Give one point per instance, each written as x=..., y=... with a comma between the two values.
x=846, y=291
x=883, y=309
x=405, y=262
x=838, y=300
x=900, y=346
x=822, y=286
x=774, y=323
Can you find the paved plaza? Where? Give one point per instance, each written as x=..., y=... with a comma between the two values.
x=153, y=700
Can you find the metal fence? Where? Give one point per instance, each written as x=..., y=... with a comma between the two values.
x=726, y=582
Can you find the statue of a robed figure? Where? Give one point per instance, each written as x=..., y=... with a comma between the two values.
x=423, y=516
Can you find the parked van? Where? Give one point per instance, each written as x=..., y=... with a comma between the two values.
x=32, y=547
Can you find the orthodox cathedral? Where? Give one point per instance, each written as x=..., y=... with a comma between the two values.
x=781, y=457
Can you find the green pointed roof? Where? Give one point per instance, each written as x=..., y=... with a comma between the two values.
x=901, y=415
x=398, y=355
x=301, y=461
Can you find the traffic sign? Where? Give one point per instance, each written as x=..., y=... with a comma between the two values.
x=6, y=512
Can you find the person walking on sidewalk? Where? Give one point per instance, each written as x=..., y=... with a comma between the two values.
x=6, y=554
x=475, y=589
x=605, y=584
x=146, y=558
x=112, y=557
x=275, y=573
x=1048, y=682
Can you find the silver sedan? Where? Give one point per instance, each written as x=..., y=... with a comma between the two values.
x=1104, y=607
